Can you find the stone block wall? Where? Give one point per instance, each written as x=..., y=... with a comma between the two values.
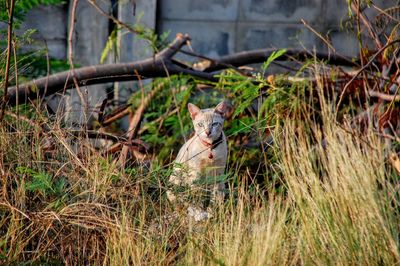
x=220, y=27
x=92, y=30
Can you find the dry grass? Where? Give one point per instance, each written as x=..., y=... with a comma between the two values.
x=339, y=206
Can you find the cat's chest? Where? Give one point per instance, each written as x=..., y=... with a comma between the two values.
x=212, y=157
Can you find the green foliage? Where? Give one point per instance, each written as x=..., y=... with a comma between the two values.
x=156, y=42
x=245, y=90
x=42, y=182
x=111, y=45
x=275, y=55
x=175, y=94
x=22, y=7
x=284, y=100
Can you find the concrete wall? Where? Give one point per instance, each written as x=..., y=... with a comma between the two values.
x=220, y=27
x=217, y=27
x=88, y=43
x=90, y=36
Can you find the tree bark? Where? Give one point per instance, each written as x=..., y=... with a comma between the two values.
x=261, y=55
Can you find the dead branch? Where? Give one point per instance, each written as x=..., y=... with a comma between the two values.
x=116, y=114
x=260, y=55
x=372, y=32
x=383, y=96
x=10, y=10
x=161, y=65
x=134, y=123
x=72, y=21
x=148, y=68
x=115, y=20
x=378, y=53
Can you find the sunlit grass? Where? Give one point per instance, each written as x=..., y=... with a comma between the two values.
x=338, y=205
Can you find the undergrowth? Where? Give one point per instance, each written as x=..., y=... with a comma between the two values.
x=302, y=188
x=320, y=195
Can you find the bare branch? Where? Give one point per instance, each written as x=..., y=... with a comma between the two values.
x=161, y=65
x=383, y=96
x=260, y=55
x=152, y=67
x=10, y=11
x=71, y=57
x=362, y=69
x=134, y=123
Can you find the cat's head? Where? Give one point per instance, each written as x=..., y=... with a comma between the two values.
x=208, y=123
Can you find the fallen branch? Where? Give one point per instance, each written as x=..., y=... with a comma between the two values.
x=116, y=114
x=261, y=55
x=152, y=67
x=362, y=69
x=383, y=96
x=161, y=65
x=134, y=124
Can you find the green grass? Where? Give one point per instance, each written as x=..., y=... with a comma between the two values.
x=336, y=204
x=322, y=194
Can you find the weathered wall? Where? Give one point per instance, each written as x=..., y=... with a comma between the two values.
x=220, y=27
x=90, y=36
x=134, y=48
x=217, y=27
x=51, y=23
x=88, y=42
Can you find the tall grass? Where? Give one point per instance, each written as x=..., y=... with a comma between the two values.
x=342, y=200
x=339, y=209
x=339, y=205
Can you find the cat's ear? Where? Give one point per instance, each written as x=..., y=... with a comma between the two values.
x=223, y=108
x=193, y=110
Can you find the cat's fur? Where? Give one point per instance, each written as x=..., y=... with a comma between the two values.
x=205, y=154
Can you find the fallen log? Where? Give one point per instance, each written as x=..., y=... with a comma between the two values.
x=161, y=65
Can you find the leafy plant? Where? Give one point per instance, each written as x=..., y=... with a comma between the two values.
x=42, y=182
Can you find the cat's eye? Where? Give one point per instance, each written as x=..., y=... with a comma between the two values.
x=215, y=124
x=200, y=124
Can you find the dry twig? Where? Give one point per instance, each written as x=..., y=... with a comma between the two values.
x=10, y=10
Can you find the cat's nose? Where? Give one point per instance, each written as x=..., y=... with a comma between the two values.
x=208, y=133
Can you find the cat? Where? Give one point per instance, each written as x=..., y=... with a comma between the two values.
x=204, y=155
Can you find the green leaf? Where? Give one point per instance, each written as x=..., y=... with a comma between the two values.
x=41, y=182
x=272, y=57
x=110, y=46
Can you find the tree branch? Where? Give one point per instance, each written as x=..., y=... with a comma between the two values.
x=161, y=65
x=261, y=55
x=148, y=68
x=10, y=11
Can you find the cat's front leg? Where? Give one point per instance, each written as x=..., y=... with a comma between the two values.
x=175, y=179
x=218, y=188
x=180, y=177
x=218, y=193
